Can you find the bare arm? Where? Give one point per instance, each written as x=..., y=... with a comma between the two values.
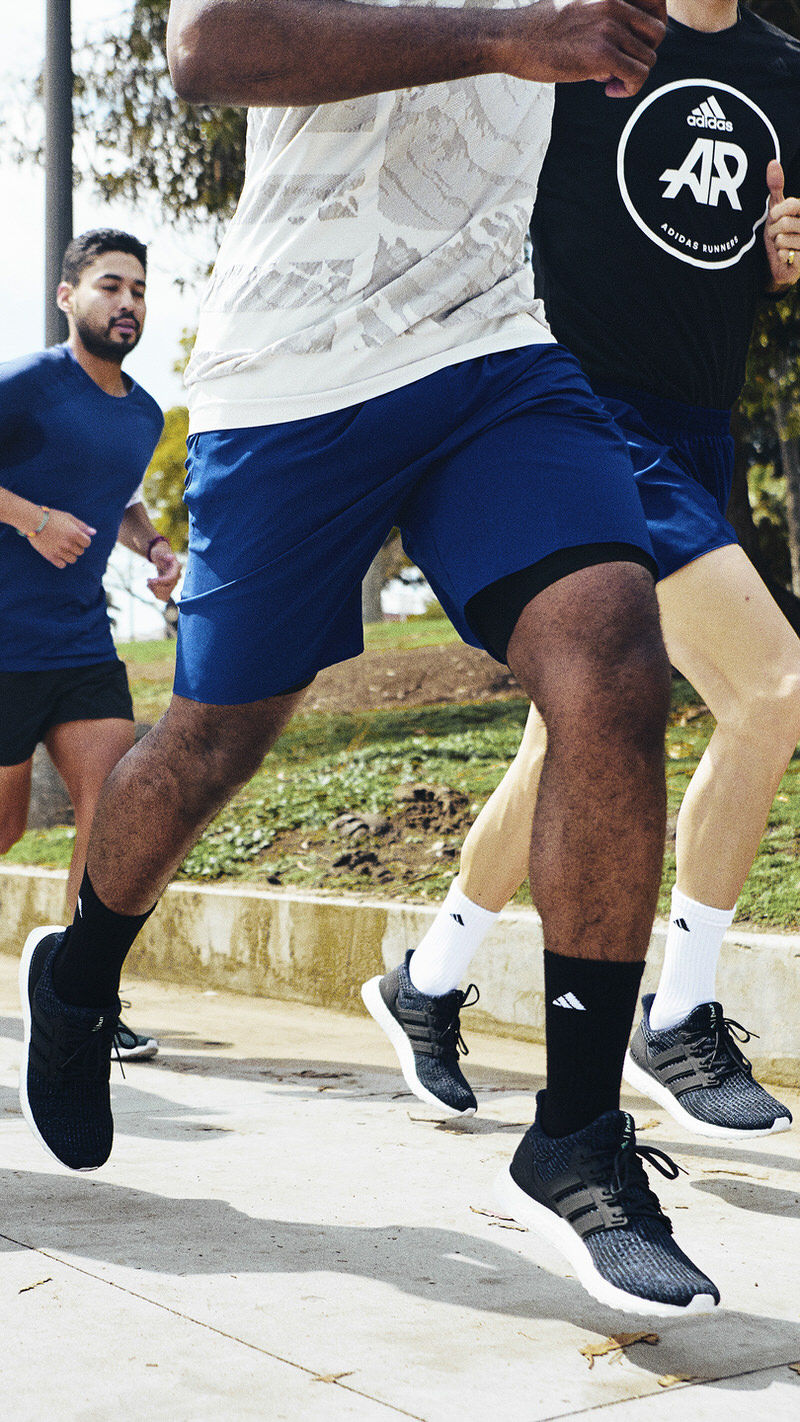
x=60, y=537
x=272, y=53
x=137, y=533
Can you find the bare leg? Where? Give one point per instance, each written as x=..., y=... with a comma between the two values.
x=729, y=638
x=15, y=794
x=163, y=793
x=84, y=753
x=496, y=852
x=589, y=651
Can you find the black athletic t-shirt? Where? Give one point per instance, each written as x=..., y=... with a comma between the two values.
x=648, y=230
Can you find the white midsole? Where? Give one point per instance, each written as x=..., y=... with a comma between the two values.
x=371, y=993
x=641, y=1081
x=560, y=1234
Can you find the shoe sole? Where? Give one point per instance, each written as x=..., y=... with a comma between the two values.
x=376, y=1007
x=31, y=944
x=647, y=1085
x=560, y=1234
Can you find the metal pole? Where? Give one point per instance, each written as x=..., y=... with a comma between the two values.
x=58, y=159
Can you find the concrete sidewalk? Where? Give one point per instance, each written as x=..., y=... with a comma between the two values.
x=284, y=1234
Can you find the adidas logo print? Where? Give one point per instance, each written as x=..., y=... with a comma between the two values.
x=681, y=923
x=709, y=114
x=458, y=918
x=568, y=999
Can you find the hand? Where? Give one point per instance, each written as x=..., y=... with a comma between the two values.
x=168, y=569
x=63, y=539
x=614, y=41
x=782, y=232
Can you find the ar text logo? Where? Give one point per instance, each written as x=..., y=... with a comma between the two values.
x=711, y=169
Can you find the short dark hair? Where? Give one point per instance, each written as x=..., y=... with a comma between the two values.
x=83, y=250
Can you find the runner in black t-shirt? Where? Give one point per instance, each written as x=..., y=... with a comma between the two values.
x=660, y=223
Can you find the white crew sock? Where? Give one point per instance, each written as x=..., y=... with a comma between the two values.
x=445, y=953
x=688, y=977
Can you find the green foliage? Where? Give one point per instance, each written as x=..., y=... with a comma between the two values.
x=421, y=631
x=325, y=765
x=164, y=480
x=190, y=155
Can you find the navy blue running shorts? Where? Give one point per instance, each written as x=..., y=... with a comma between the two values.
x=32, y=702
x=683, y=465
x=488, y=467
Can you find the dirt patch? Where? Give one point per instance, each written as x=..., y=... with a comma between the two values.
x=415, y=845
x=422, y=676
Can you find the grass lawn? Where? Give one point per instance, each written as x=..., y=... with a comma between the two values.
x=277, y=829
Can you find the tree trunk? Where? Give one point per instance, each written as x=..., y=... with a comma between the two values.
x=385, y=565
x=371, y=590
x=790, y=464
x=740, y=515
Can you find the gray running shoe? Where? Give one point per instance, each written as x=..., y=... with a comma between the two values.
x=130, y=1046
x=426, y=1034
x=698, y=1073
x=587, y=1194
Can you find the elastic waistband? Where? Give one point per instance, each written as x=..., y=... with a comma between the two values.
x=670, y=416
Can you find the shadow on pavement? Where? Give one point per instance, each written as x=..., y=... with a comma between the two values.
x=139, y=1230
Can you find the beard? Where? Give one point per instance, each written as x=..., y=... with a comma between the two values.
x=100, y=342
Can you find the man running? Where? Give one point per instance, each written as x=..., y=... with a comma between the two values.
x=77, y=435
x=660, y=222
x=370, y=353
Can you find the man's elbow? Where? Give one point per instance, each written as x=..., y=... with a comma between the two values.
x=187, y=56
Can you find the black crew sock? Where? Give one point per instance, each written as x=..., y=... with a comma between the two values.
x=88, y=965
x=589, y=1007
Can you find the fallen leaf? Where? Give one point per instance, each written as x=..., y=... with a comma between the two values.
x=648, y=1125
x=333, y=1377
x=616, y=1346
x=670, y=1379
x=747, y=1174
x=502, y=1221
x=795, y=1367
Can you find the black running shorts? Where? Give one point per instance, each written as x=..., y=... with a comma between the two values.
x=31, y=703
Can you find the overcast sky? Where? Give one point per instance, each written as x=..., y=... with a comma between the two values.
x=22, y=228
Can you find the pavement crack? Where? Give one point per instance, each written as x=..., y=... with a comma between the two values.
x=334, y=1379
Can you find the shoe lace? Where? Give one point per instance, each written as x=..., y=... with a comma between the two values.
x=445, y=1024
x=629, y=1189
x=90, y=1050
x=719, y=1051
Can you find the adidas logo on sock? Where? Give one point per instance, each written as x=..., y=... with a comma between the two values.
x=681, y=923
x=568, y=999
x=458, y=918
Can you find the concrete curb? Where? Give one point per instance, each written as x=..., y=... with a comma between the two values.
x=317, y=949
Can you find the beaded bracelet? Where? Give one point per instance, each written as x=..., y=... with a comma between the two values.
x=45, y=517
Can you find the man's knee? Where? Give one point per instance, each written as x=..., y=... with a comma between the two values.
x=589, y=649
x=220, y=747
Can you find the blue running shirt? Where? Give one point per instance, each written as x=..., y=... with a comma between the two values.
x=65, y=443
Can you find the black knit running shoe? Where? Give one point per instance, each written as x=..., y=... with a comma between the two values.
x=698, y=1073
x=426, y=1034
x=66, y=1062
x=587, y=1194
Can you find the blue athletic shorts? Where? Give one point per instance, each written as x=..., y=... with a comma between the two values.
x=683, y=465
x=487, y=467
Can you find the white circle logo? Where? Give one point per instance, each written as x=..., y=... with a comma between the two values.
x=691, y=167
